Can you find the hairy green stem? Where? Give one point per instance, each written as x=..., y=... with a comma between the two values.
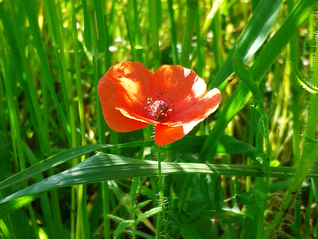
x=162, y=198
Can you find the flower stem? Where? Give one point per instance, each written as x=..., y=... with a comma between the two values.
x=162, y=198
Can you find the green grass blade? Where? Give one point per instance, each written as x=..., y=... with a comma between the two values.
x=267, y=56
x=252, y=38
x=188, y=32
x=227, y=145
x=112, y=167
x=154, y=13
x=173, y=33
x=101, y=27
x=4, y=231
x=15, y=204
x=35, y=31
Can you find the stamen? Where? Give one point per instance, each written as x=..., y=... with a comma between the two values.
x=159, y=109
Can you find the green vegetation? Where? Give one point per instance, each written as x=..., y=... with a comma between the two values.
x=247, y=171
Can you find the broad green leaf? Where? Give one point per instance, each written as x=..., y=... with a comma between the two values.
x=103, y=167
x=15, y=204
x=63, y=157
x=227, y=145
x=252, y=38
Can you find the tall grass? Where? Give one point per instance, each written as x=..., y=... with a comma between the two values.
x=245, y=172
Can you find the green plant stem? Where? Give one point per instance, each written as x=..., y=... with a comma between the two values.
x=154, y=32
x=35, y=31
x=188, y=32
x=308, y=157
x=173, y=29
x=161, y=191
x=200, y=50
x=293, y=56
x=101, y=125
x=251, y=133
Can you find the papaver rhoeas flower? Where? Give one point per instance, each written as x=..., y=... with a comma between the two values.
x=173, y=98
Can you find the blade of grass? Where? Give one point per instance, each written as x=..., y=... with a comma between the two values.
x=112, y=167
x=173, y=33
x=36, y=36
x=188, y=32
x=266, y=57
x=253, y=36
x=227, y=145
x=15, y=204
x=293, y=56
x=53, y=231
x=153, y=11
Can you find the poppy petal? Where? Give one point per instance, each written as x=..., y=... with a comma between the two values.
x=120, y=123
x=137, y=117
x=166, y=135
x=126, y=86
x=198, y=111
x=178, y=86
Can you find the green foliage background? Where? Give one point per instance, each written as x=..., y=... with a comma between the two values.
x=245, y=172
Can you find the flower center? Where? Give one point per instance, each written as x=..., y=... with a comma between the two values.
x=159, y=109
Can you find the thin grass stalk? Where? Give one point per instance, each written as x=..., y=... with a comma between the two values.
x=293, y=56
x=153, y=10
x=206, y=26
x=62, y=54
x=78, y=76
x=173, y=29
x=188, y=32
x=217, y=43
x=130, y=16
x=44, y=200
x=105, y=188
x=58, y=49
x=27, y=83
x=16, y=134
x=39, y=45
x=8, y=73
x=82, y=220
x=199, y=45
x=138, y=33
x=101, y=126
x=55, y=28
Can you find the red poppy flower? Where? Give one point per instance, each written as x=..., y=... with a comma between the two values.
x=173, y=98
